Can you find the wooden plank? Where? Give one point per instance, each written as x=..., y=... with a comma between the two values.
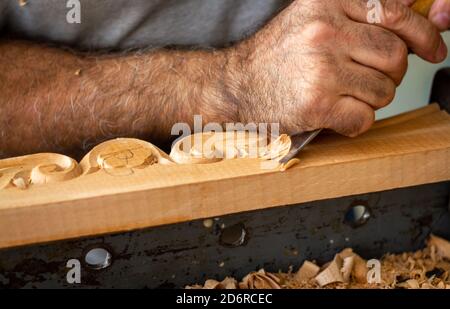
x=103, y=194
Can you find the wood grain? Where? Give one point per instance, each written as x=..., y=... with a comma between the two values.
x=108, y=195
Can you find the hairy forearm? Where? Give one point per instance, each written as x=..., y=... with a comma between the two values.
x=54, y=100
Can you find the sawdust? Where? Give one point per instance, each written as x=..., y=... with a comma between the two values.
x=424, y=269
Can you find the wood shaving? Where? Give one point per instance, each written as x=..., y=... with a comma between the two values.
x=442, y=246
x=331, y=273
x=209, y=147
x=260, y=280
x=226, y=284
x=424, y=269
x=290, y=164
x=278, y=148
x=306, y=272
x=360, y=270
x=347, y=268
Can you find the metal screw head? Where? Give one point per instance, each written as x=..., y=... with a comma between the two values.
x=357, y=215
x=98, y=258
x=234, y=235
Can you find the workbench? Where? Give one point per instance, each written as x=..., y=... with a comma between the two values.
x=137, y=223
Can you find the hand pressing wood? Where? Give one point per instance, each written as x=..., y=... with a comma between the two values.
x=119, y=177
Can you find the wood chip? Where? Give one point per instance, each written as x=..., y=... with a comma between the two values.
x=348, y=257
x=424, y=269
x=289, y=164
x=347, y=268
x=442, y=246
x=260, y=280
x=211, y=284
x=22, y=3
x=228, y=284
x=306, y=272
x=346, y=253
x=359, y=267
x=433, y=253
x=413, y=284
x=332, y=273
x=424, y=286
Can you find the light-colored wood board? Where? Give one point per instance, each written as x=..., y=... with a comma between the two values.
x=404, y=151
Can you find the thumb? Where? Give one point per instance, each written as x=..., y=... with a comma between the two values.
x=440, y=14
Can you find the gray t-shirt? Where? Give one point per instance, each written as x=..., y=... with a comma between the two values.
x=124, y=24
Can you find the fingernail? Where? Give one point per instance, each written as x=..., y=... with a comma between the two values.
x=441, y=52
x=442, y=20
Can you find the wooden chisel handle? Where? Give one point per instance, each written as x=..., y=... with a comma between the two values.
x=423, y=7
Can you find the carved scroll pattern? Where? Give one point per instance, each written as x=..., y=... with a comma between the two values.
x=44, y=168
x=124, y=156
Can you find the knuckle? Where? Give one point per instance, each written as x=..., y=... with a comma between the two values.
x=399, y=54
x=384, y=90
x=392, y=51
x=389, y=96
x=365, y=119
x=319, y=32
x=395, y=13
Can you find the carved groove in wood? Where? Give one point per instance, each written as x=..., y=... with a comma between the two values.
x=123, y=156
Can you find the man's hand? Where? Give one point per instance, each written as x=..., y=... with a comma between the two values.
x=320, y=64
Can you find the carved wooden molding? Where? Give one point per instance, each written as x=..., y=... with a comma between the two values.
x=124, y=156
x=126, y=184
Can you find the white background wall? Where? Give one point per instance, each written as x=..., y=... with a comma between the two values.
x=414, y=92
